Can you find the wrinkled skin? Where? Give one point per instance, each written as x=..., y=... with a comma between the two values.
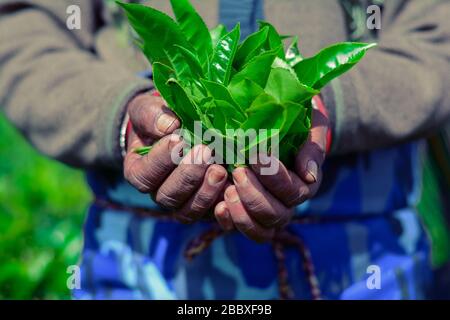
x=190, y=189
x=256, y=205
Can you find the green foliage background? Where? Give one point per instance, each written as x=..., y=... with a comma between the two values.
x=42, y=208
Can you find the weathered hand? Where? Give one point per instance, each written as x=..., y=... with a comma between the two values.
x=191, y=188
x=258, y=205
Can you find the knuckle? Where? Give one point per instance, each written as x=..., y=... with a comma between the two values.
x=133, y=177
x=289, y=195
x=157, y=163
x=241, y=219
x=251, y=230
x=262, y=211
x=303, y=194
x=317, y=150
x=254, y=201
x=143, y=113
x=129, y=175
x=245, y=226
x=202, y=202
x=136, y=179
x=295, y=197
x=137, y=109
x=166, y=200
x=134, y=106
x=293, y=201
x=269, y=218
x=189, y=175
x=276, y=221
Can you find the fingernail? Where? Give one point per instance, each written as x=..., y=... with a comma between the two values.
x=231, y=195
x=312, y=169
x=240, y=176
x=166, y=123
x=215, y=177
x=224, y=218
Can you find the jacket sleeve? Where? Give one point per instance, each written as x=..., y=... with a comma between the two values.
x=401, y=89
x=65, y=100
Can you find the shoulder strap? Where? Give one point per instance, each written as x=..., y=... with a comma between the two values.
x=247, y=12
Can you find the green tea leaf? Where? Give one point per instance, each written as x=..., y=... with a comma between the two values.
x=275, y=40
x=292, y=113
x=143, y=150
x=217, y=33
x=285, y=87
x=251, y=47
x=194, y=28
x=220, y=92
x=293, y=55
x=226, y=117
x=286, y=36
x=184, y=65
x=290, y=146
x=205, y=109
x=182, y=105
x=187, y=70
x=280, y=63
x=258, y=119
x=330, y=63
x=161, y=75
x=158, y=32
x=222, y=61
x=192, y=61
x=244, y=92
x=258, y=112
x=296, y=135
x=257, y=70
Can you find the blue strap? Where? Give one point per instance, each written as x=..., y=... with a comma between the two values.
x=247, y=12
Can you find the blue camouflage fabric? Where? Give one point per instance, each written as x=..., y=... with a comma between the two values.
x=363, y=219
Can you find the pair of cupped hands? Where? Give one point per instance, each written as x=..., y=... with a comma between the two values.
x=255, y=204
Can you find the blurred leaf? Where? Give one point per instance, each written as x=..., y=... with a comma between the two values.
x=42, y=208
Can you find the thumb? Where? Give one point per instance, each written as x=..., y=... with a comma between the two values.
x=151, y=118
x=311, y=156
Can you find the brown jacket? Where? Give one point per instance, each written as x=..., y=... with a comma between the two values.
x=66, y=90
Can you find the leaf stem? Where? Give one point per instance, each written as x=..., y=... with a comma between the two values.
x=143, y=151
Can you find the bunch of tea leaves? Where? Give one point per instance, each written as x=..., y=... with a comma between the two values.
x=214, y=78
